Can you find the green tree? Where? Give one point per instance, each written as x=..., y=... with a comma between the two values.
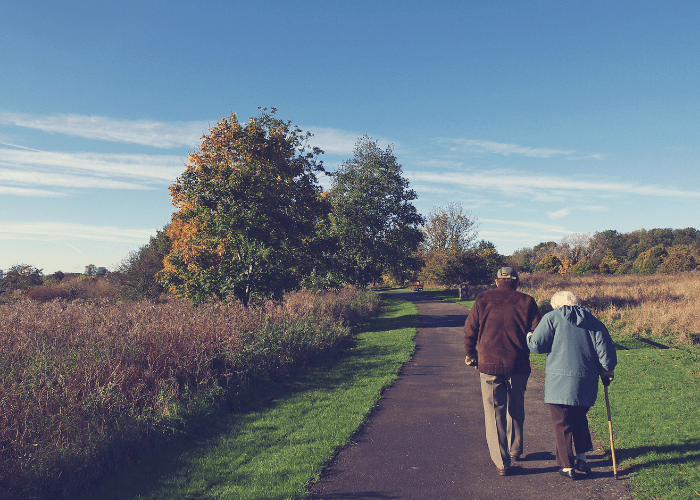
x=522, y=260
x=136, y=275
x=609, y=264
x=614, y=242
x=373, y=220
x=648, y=261
x=90, y=270
x=484, y=263
x=21, y=277
x=687, y=236
x=248, y=209
x=549, y=264
x=679, y=258
x=582, y=267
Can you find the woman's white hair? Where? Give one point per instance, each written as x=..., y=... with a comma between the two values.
x=564, y=298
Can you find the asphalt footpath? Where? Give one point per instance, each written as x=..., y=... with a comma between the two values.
x=426, y=438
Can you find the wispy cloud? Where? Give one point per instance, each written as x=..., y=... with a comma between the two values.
x=477, y=146
x=559, y=214
x=521, y=232
x=65, y=180
x=155, y=168
x=143, y=132
x=68, y=231
x=16, y=146
x=514, y=182
x=30, y=192
x=539, y=226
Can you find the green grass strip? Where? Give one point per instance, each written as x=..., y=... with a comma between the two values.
x=655, y=412
x=277, y=446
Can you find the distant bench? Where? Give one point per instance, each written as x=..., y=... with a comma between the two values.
x=417, y=286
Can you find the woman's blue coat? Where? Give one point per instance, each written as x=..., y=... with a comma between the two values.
x=578, y=348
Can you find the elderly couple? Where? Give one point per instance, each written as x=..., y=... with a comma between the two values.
x=503, y=326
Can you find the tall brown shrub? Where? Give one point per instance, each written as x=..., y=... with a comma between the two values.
x=82, y=381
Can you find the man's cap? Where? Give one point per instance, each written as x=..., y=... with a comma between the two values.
x=507, y=273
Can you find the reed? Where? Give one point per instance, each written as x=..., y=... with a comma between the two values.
x=85, y=383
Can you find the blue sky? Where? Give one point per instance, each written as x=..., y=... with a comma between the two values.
x=542, y=118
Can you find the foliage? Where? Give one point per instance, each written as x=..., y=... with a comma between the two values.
x=444, y=267
x=83, y=384
x=450, y=253
x=648, y=261
x=608, y=264
x=74, y=288
x=611, y=252
x=582, y=267
x=373, y=220
x=565, y=267
x=624, y=268
x=21, y=277
x=248, y=208
x=476, y=265
x=522, y=260
x=136, y=275
x=54, y=279
x=449, y=228
x=549, y=264
x=679, y=258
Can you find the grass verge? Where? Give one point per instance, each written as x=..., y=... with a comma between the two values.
x=278, y=443
x=655, y=410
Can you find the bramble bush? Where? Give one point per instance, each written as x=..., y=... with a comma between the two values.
x=86, y=383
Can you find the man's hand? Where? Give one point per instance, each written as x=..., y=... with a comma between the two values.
x=607, y=377
x=470, y=362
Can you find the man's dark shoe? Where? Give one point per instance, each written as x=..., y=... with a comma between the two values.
x=515, y=458
x=569, y=474
x=582, y=466
x=504, y=471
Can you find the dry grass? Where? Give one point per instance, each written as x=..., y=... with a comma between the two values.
x=82, y=381
x=660, y=306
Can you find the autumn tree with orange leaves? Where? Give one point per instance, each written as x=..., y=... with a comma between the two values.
x=248, y=208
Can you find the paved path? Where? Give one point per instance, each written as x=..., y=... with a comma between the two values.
x=426, y=440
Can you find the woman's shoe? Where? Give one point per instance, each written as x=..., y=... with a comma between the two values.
x=582, y=466
x=570, y=474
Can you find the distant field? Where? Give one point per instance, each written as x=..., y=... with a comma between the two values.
x=662, y=308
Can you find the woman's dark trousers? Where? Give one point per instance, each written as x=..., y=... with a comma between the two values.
x=570, y=430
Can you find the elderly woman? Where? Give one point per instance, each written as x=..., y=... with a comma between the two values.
x=579, y=350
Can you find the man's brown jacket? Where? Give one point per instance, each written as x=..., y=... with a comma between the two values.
x=496, y=327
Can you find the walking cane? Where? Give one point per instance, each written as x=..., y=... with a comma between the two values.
x=612, y=446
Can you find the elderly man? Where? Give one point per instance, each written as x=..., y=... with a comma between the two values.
x=496, y=344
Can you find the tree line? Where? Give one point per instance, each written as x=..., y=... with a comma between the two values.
x=252, y=221
x=643, y=251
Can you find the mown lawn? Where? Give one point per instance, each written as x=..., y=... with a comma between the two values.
x=655, y=412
